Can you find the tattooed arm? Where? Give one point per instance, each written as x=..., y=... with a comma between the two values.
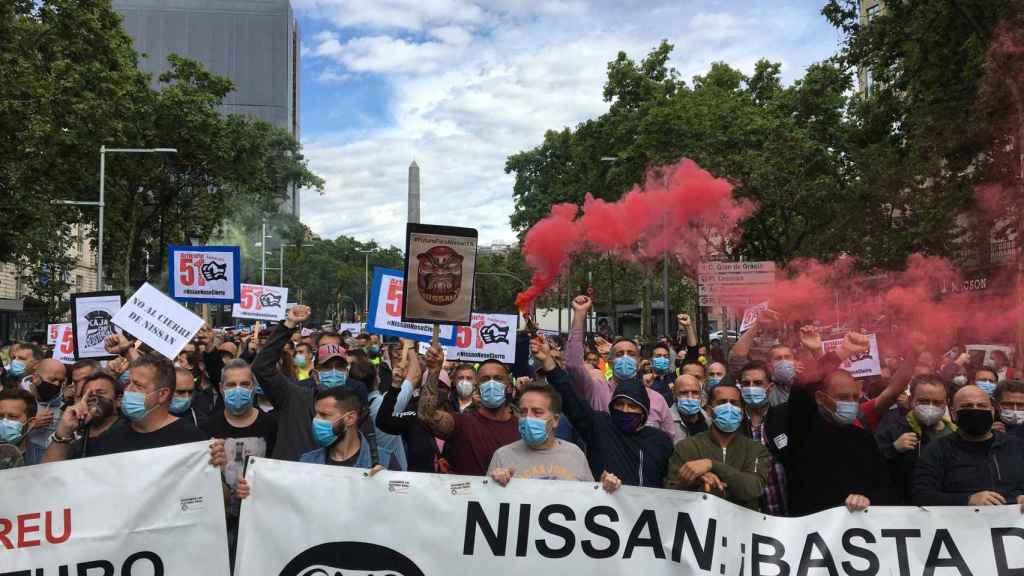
x=439, y=421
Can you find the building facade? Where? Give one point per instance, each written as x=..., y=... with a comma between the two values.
x=869, y=10
x=254, y=43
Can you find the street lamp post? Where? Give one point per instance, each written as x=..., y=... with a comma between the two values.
x=102, y=201
x=522, y=283
x=366, y=282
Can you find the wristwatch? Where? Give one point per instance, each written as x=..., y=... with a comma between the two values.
x=61, y=440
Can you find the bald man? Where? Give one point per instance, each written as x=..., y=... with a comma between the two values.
x=687, y=413
x=829, y=459
x=46, y=385
x=977, y=466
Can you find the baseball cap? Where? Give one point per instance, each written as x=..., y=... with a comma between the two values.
x=328, y=351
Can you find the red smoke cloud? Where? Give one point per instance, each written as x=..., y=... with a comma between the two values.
x=682, y=209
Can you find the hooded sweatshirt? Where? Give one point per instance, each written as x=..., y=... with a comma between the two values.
x=638, y=458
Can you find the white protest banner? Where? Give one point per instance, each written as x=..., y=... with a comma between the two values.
x=64, y=347
x=210, y=274
x=488, y=337
x=428, y=524
x=149, y=512
x=385, y=315
x=751, y=314
x=734, y=283
x=160, y=322
x=353, y=328
x=91, y=321
x=261, y=302
x=862, y=366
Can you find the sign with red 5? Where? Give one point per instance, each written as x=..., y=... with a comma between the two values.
x=204, y=273
x=261, y=302
x=488, y=337
x=385, y=314
x=64, y=344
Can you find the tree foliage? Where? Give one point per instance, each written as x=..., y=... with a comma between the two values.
x=71, y=83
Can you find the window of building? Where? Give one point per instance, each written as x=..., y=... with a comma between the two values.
x=78, y=281
x=873, y=12
x=869, y=83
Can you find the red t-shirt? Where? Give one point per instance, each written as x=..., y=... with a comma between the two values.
x=475, y=439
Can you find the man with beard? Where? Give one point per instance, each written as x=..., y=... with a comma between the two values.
x=47, y=384
x=96, y=411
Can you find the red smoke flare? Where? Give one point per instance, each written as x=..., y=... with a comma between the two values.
x=681, y=208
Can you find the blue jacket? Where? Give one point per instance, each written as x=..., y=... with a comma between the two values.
x=319, y=456
x=639, y=458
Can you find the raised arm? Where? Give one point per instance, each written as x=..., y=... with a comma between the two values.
x=439, y=421
x=596, y=394
x=264, y=366
x=580, y=415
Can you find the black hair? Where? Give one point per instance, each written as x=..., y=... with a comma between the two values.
x=162, y=368
x=345, y=397
x=23, y=395
x=1013, y=386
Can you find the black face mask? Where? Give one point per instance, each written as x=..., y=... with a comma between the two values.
x=101, y=408
x=47, y=390
x=973, y=421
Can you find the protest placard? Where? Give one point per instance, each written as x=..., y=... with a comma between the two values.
x=51, y=334
x=734, y=283
x=862, y=366
x=751, y=314
x=204, y=274
x=261, y=302
x=91, y=315
x=64, y=346
x=440, y=266
x=157, y=320
x=489, y=337
x=386, y=311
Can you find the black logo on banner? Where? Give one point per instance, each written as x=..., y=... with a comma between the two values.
x=99, y=328
x=213, y=271
x=270, y=300
x=492, y=334
x=350, y=559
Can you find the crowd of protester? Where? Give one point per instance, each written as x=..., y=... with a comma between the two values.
x=775, y=427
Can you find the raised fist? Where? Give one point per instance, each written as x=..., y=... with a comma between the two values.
x=298, y=314
x=582, y=304
x=684, y=320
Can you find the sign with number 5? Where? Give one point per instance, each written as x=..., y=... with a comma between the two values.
x=261, y=302
x=64, y=345
x=204, y=274
x=385, y=315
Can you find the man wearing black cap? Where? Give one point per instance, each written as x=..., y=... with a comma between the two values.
x=622, y=449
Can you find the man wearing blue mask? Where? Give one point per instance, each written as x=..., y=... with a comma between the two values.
x=830, y=461
x=623, y=450
x=246, y=432
x=183, y=403
x=17, y=410
x=687, y=413
x=625, y=360
x=722, y=461
x=24, y=359
x=664, y=372
x=986, y=378
x=716, y=373
x=292, y=402
x=539, y=455
x=762, y=423
x=472, y=437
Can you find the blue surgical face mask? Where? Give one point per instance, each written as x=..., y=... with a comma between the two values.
x=959, y=380
x=300, y=360
x=987, y=385
x=754, y=395
x=11, y=431
x=688, y=406
x=714, y=381
x=180, y=404
x=333, y=378
x=728, y=418
x=373, y=350
x=661, y=364
x=123, y=378
x=133, y=405
x=323, y=432
x=492, y=394
x=624, y=367
x=533, y=431
x=846, y=412
x=17, y=368
x=238, y=399
x=784, y=371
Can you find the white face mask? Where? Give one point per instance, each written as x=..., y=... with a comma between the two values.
x=1012, y=417
x=464, y=388
x=928, y=415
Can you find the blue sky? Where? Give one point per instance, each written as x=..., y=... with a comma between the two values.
x=458, y=85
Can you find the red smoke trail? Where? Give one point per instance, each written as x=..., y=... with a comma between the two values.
x=682, y=209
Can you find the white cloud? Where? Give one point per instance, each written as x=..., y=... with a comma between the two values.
x=475, y=84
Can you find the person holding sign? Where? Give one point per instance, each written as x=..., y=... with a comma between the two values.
x=722, y=460
x=473, y=437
